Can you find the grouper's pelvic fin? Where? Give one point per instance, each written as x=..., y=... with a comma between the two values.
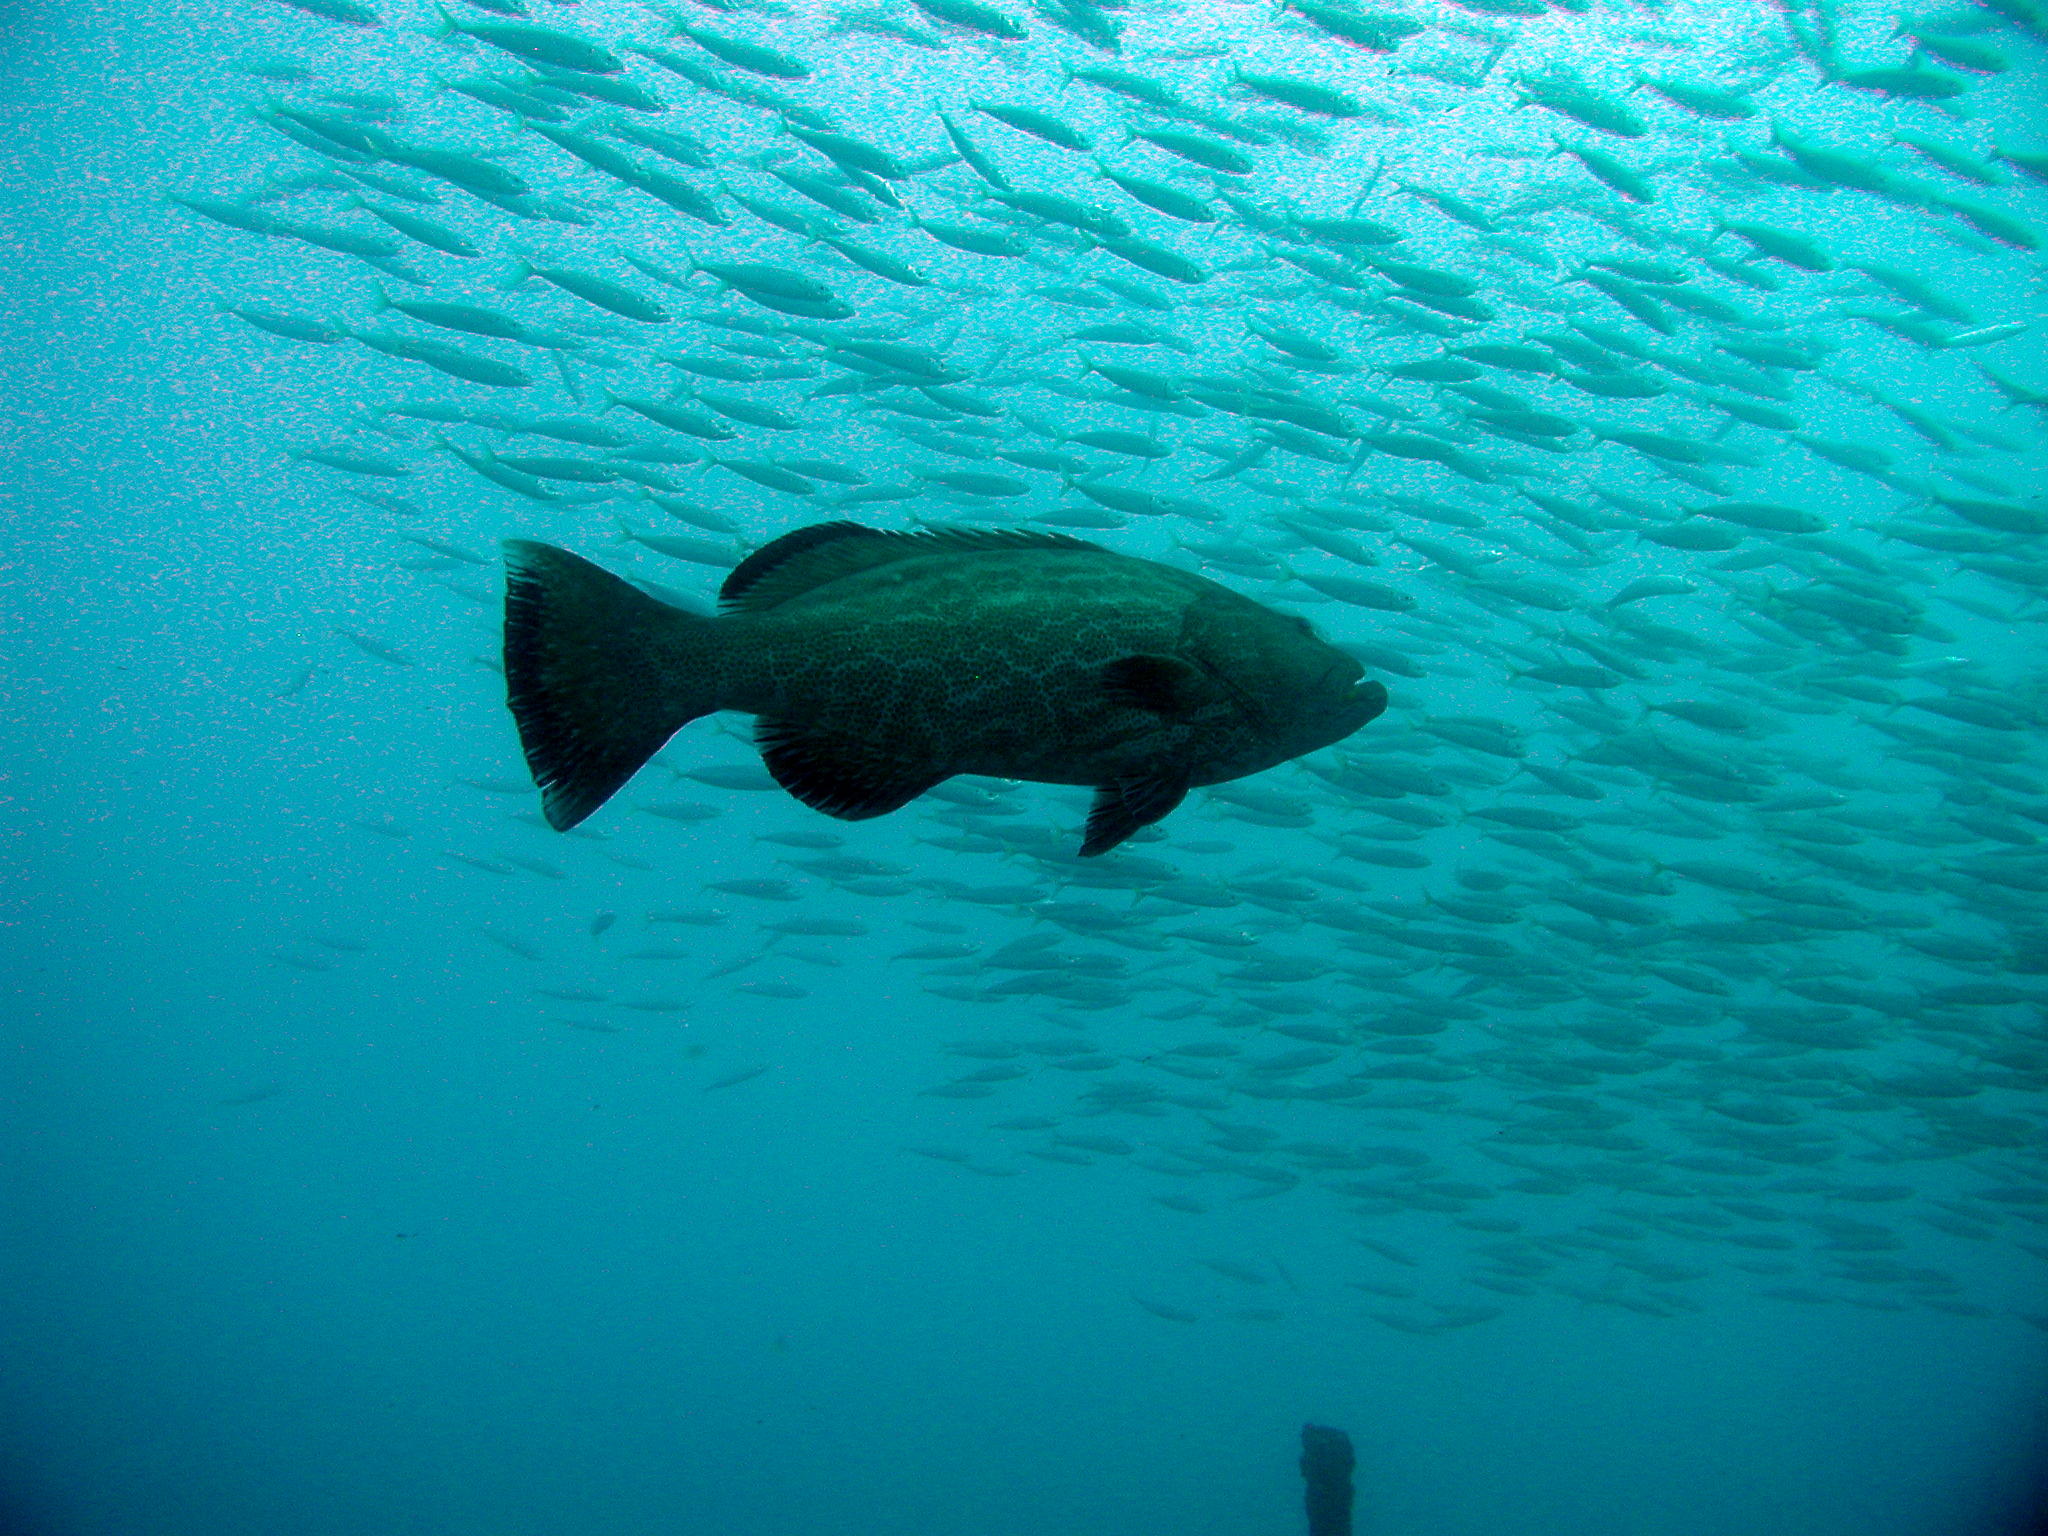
x=599, y=675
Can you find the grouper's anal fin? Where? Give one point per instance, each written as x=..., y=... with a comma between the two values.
x=842, y=776
x=1124, y=805
x=598, y=674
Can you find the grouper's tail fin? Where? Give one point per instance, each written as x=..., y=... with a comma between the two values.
x=599, y=675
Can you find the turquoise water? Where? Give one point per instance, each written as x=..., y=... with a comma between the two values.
x=1608, y=1085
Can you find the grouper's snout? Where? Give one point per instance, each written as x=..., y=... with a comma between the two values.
x=1354, y=698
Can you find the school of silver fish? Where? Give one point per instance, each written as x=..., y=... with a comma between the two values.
x=1644, y=393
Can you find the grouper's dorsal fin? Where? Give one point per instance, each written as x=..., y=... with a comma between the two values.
x=821, y=548
x=810, y=557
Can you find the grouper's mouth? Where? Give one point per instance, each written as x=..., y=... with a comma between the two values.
x=1367, y=696
x=1353, y=689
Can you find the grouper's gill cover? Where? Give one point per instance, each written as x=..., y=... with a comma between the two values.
x=879, y=664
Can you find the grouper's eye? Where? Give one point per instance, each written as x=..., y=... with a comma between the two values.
x=1302, y=624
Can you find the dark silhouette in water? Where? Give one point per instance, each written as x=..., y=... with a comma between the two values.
x=1326, y=1463
x=880, y=664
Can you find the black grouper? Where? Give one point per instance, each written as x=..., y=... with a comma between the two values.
x=880, y=664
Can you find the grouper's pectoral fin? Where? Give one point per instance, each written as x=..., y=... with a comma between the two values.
x=841, y=776
x=1124, y=805
x=1165, y=685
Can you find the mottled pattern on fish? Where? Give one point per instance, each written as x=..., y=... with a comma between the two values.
x=880, y=664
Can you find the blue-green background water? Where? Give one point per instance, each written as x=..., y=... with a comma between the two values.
x=321, y=1218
